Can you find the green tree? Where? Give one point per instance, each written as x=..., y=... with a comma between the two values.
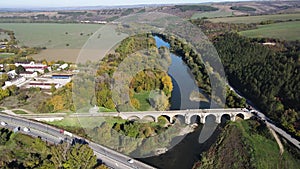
x=20, y=69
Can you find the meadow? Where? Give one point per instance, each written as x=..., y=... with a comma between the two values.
x=283, y=31
x=6, y=55
x=257, y=19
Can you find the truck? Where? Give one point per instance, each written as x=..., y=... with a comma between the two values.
x=66, y=133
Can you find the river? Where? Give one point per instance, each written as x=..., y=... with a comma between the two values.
x=187, y=152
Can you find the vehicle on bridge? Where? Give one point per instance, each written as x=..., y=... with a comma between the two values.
x=66, y=133
x=3, y=123
x=27, y=130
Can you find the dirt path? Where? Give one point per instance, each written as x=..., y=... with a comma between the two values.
x=277, y=140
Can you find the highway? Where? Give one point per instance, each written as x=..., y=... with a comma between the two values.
x=52, y=135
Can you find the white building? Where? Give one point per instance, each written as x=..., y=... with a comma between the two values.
x=29, y=75
x=18, y=82
x=12, y=74
x=33, y=67
x=64, y=66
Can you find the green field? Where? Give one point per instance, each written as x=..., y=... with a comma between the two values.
x=6, y=55
x=51, y=35
x=256, y=19
x=142, y=97
x=19, y=112
x=284, y=31
x=213, y=14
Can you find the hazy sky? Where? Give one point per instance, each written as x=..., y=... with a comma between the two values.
x=66, y=3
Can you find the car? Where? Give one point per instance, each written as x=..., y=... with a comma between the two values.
x=16, y=129
x=130, y=161
x=3, y=123
x=26, y=129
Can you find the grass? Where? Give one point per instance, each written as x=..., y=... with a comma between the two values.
x=19, y=112
x=6, y=55
x=246, y=144
x=284, y=31
x=266, y=150
x=34, y=100
x=85, y=122
x=257, y=19
x=213, y=14
x=142, y=97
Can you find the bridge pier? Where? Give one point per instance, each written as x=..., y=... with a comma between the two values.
x=232, y=118
x=202, y=119
x=187, y=120
x=218, y=119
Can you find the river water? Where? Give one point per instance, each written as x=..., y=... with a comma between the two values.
x=187, y=152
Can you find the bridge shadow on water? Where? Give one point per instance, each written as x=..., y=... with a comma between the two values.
x=187, y=152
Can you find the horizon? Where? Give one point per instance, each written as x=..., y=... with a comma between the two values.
x=94, y=3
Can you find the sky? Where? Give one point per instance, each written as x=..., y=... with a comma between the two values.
x=72, y=3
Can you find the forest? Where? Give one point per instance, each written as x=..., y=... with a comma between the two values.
x=268, y=77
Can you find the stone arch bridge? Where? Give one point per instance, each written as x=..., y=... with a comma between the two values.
x=188, y=115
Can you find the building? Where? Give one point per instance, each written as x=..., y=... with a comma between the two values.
x=47, y=83
x=43, y=85
x=29, y=75
x=12, y=74
x=62, y=76
x=64, y=66
x=18, y=82
x=33, y=67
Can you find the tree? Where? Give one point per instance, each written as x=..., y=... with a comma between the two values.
x=159, y=101
x=22, y=97
x=13, y=90
x=20, y=69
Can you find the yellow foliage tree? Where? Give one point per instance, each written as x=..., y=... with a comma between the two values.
x=58, y=103
x=168, y=86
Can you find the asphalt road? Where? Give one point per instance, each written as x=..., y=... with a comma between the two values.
x=52, y=135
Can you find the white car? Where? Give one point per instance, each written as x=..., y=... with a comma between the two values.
x=130, y=161
x=26, y=129
x=3, y=123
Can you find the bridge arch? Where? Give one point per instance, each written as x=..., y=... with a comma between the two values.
x=149, y=118
x=164, y=117
x=194, y=119
x=241, y=115
x=225, y=118
x=211, y=118
x=133, y=118
x=178, y=117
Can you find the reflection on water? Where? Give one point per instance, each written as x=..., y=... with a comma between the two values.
x=183, y=82
x=187, y=152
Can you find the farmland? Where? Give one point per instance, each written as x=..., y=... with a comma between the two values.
x=63, y=41
x=213, y=14
x=51, y=35
x=284, y=31
x=257, y=19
